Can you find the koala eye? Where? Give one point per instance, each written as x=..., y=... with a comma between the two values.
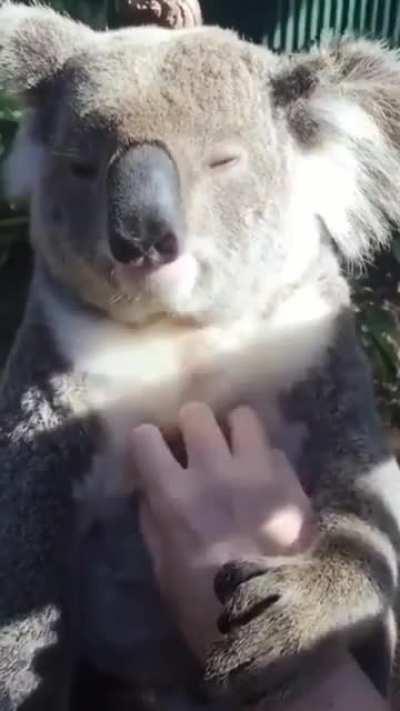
x=223, y=161
x=83, y=169
x=225, y=157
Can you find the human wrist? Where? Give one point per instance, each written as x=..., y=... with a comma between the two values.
x=338, y=685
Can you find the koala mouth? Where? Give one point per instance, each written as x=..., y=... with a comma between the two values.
x=179, y=276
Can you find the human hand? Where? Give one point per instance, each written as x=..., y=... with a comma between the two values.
x=236, y=504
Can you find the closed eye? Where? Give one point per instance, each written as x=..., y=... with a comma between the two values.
x=85, y=170
x=79, y=167
x=224, y=161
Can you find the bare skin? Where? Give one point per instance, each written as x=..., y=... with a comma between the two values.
x=196, y=519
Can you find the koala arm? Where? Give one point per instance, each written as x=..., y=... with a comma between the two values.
x=281, y=616
x=39, y=453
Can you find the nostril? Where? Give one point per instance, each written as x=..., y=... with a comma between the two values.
x=161, y=251
x=124, y=250
x=167, y=247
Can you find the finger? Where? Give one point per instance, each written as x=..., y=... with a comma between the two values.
x=153, y=458
x=166, y=485
x=247, y=433
x=287, y=478
x=205, y=443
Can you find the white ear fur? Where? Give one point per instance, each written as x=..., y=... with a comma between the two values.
x=341, y=105
x=349, y=179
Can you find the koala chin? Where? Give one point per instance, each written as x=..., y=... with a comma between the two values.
x=194, y=202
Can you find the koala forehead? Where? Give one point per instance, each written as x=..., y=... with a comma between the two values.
x=141, y=80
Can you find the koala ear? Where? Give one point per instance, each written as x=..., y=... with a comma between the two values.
x=342, y=108
x=35, y=43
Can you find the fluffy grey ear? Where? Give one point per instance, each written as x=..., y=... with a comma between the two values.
x=342, y=107
x=35, y=43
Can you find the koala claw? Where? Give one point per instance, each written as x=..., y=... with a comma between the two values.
x=271, y=634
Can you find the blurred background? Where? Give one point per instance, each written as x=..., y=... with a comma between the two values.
x=283, y=25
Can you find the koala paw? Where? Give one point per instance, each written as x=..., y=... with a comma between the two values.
x=274, y=622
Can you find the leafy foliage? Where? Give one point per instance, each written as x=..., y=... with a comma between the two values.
x=377, y=298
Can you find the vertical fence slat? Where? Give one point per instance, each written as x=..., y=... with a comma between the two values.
x=327, y=15
x=277, y=35
x=396, y=29
x=349, y=27
x=374, y=18
x=302, y=20
x=290, y=20
x=339, y=17
x=314, y=20
x=386, y=18
x=363, y=16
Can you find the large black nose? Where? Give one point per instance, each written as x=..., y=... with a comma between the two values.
x=146, y=221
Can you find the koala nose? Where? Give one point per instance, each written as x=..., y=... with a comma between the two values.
x=146, y=221
x=144, y=252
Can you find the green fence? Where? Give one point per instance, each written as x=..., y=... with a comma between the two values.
x=288, y=25
x=299, y=23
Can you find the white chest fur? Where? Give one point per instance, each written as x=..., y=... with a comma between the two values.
x=146, y=373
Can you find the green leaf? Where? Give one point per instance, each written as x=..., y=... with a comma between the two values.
x=388, y=359
x=380, y=322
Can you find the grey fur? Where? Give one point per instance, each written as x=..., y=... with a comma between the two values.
x=252, y=137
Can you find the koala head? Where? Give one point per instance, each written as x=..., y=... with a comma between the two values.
x=188, y=173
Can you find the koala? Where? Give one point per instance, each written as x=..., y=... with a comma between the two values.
x=195, y=201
